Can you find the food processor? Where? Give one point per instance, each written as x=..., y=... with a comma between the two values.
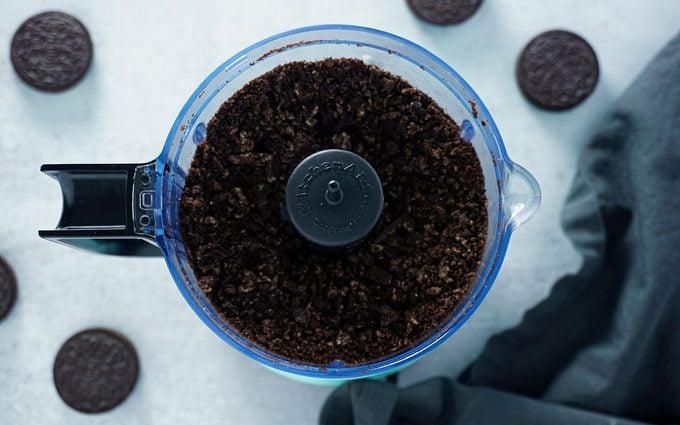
x=133, y=209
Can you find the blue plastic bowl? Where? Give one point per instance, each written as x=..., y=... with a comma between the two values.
x=513, y=194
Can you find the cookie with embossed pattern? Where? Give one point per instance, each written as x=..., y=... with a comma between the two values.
x=557, y=70
x=51, y=51
x=444, y=12
x=95, y=370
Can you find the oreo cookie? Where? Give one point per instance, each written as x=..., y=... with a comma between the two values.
x=557, y=70
x=444, y=12
x=95, y=370
x=8, y=288
x=51, y=51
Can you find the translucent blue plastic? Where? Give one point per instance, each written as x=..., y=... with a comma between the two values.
x=513, y=195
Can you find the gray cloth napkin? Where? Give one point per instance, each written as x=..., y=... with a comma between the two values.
x=604, y=347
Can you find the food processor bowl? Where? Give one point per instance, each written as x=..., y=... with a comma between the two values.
x=133, y=209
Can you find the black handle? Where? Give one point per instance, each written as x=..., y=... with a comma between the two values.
x=107, y=208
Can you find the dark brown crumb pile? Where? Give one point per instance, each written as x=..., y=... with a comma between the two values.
x=408, y=276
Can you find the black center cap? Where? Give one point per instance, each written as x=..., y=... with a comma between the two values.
x=334, y=198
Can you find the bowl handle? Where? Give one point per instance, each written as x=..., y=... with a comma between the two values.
x=107, y=208
x=521, y=195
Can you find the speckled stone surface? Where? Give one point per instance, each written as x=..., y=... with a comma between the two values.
x=150, y=57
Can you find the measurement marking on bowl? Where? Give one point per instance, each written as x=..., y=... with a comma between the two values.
x=467, y=130
x=200, y=133
x=337, y=364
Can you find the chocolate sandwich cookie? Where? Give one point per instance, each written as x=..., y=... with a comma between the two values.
x=557, y=70
x=51, y=51
x=95, y=370
x=444, y=12
x=8, y=288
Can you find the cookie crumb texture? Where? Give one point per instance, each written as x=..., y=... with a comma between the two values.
x=413, y=269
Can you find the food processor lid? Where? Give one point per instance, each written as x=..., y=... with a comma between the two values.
x=334, y=198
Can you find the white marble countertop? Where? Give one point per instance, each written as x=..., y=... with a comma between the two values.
x=149, y=57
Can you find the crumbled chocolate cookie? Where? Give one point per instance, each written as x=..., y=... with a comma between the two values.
x=406, y=278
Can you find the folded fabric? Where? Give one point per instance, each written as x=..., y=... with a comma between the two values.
x=442, y=401
x=604, y=347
